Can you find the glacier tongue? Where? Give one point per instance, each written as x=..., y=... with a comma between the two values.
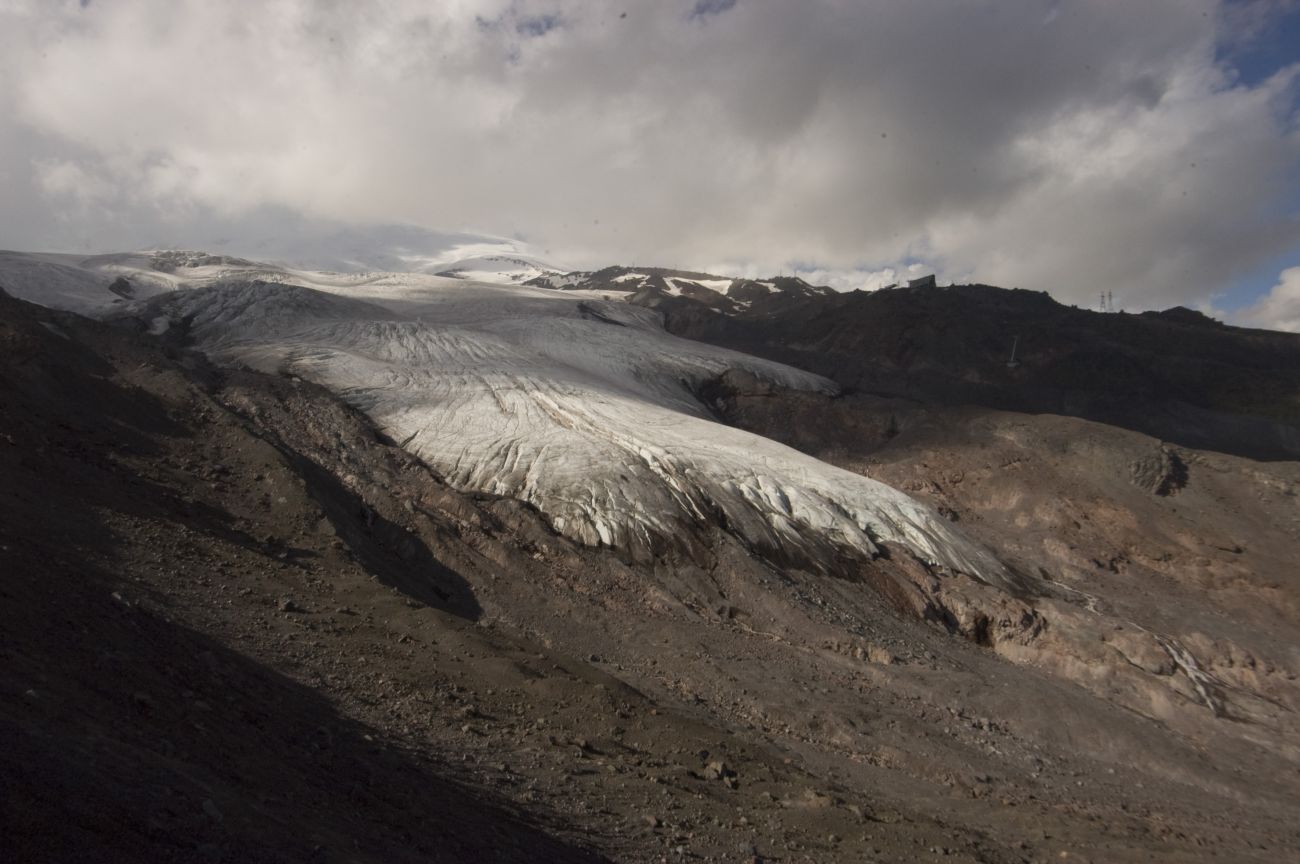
x=583, y=408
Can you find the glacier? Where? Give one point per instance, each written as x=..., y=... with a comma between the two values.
x=585, y=408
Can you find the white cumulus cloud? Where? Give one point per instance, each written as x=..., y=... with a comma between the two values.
x=1056, y=146
x=1280, y=308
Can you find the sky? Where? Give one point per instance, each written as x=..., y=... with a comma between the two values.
x=1150, y=149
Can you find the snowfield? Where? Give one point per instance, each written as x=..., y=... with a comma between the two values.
x=584, y=408
x=507, y=269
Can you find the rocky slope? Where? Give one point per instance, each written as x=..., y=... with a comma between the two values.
x=248, y=626
x=1176, y=375
x=1166, y=573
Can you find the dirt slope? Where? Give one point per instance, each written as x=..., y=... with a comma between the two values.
x=239, y=626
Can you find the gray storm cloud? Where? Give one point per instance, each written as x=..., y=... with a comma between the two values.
x=1049, y=145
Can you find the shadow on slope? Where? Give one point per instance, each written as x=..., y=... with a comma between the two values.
x=66, y=398
x=131, y=737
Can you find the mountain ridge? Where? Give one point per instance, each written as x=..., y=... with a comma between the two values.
x=1184, y=377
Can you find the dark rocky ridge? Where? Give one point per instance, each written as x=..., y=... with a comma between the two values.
x=1176, y=375
x=648, y=286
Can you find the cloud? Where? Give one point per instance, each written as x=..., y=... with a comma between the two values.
x=1021, y=142
x=1280, y=309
